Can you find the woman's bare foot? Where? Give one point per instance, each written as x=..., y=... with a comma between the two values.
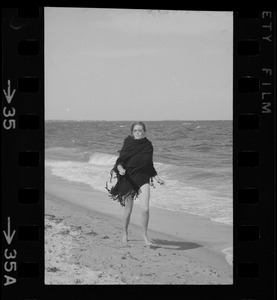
x=125, y=238
x=147, y=241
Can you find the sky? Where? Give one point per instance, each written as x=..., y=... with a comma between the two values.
x=127, y=64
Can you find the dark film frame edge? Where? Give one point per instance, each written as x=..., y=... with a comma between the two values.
x=243, y=287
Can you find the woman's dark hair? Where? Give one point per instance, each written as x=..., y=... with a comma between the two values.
x=138, y=123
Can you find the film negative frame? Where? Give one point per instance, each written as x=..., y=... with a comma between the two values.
x=254, y=164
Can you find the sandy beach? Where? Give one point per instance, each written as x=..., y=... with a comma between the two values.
x=83, y=245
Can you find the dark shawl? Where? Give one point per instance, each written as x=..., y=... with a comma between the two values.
x=136, y=157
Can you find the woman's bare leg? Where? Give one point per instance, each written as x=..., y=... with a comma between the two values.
x=144, y=198
x=126, y=217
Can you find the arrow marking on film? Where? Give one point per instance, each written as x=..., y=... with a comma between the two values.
x=8, y=235
x=8, y=94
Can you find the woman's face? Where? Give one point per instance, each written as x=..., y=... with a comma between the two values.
x=138, y=132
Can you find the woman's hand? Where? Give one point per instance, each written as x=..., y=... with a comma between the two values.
x=159, y=180
x=121, y=170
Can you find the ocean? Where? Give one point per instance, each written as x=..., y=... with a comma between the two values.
x=194, y=158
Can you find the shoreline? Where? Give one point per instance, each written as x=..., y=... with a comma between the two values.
x=83, y=165
x=161, y=219
x=180, y=238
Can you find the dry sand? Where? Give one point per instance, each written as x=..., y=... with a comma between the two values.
x=83, y=244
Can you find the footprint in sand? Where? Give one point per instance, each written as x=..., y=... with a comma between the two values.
x=91, y=233
x=105, y=237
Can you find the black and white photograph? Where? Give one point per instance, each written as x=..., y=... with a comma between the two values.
x=138, y=147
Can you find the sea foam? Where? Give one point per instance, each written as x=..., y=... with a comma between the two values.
x=228, y=255
x=184, y=195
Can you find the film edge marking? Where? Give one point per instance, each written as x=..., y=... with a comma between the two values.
x=9, y=112
x=12, y=255
x=8, y=94
x=266, y=95
x=267, y=17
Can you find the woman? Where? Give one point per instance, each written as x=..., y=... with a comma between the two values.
x=135, y=172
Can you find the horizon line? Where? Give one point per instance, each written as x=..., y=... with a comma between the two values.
x=162, y=120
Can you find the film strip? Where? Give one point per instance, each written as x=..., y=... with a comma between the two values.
x=254, y=165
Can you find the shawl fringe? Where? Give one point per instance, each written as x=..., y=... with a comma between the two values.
x=124, y=187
